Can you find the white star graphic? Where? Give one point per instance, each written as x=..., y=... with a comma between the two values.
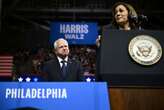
x=88, y=79
x=20, y=79
x=28, y=79
x=35, y=79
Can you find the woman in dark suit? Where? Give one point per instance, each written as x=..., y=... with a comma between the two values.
x=123, y=19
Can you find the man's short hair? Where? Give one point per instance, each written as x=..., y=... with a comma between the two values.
x=55, y=43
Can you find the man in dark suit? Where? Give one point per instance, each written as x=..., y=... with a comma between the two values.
x=61, y=67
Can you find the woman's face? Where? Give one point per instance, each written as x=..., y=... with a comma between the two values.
x=121, y=14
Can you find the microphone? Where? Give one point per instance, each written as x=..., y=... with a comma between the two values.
x=142, y=18
x=139, y=18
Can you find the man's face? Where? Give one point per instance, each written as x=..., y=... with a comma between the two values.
x=121, y=14
x=62, y=49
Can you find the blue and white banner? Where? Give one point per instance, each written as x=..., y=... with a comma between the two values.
x=74, y=32
x=54, y=96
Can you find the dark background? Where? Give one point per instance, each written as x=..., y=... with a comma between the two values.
x=25, y=23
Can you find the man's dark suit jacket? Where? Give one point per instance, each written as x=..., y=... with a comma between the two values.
x=53, y=70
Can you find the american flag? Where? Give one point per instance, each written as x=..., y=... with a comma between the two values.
x=6, y=65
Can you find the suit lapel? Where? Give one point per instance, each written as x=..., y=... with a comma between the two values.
x=69, y=66
x=58, y=68
x=68, y=69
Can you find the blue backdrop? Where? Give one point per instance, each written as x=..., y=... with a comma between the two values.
x=67, y=96
x=74, y=32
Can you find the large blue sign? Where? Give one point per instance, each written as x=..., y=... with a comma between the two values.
x=54, y=96
x=74, y=32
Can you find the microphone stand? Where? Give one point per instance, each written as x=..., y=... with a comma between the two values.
x=138, y=20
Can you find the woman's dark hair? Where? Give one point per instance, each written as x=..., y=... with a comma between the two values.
x=131, y=13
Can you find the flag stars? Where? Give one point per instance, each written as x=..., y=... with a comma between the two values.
x=88, y=79
x=20, y=79
x=28, y=79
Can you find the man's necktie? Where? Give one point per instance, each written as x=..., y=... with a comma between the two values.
x=63, y=68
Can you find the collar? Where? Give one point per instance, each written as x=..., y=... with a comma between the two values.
x=60, y=59
x=120, y=28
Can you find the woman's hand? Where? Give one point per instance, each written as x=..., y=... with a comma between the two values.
x=98, y=41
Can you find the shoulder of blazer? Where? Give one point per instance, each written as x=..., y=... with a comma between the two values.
x=73, y=61
x=51, y=61
x=109, y=26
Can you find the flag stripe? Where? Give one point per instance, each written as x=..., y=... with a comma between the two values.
x=5, y=61
x=6, y=57
x=6, y=64
x=6, y=67
x=5, y=71
x=5, y=74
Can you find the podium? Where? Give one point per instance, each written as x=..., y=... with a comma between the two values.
x=132, y=86
x=54, y=96
x=119, y=69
